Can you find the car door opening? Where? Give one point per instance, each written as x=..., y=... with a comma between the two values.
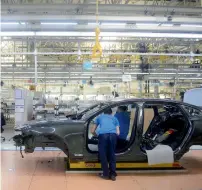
x=126, y=115
x=164, y=124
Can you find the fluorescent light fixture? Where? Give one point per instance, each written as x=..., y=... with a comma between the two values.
x=106, y=34
x=93, y=23
x=113, y=23
x=65, y=34
x=190, y=78
x=17, y=33
x=87, y=74
x=167, y=25
x=58, y=23
x=109, y=38
x=7, y=38
x=6, y=65
x=79, y=77
x=23, y=23
x=191, y=25
x=147, y=24
x=121, y=34
x=173, y=73
x=9, y=23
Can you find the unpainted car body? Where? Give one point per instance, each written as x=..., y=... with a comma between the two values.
x=71, y=135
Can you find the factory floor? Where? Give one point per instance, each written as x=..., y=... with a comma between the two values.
x=45, y=170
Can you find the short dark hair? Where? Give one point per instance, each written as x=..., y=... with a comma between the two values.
x=108, y=111
x=123, y=108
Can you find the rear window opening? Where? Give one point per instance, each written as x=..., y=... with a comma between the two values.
x=163, y=125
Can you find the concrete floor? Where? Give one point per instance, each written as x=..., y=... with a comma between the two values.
x=36, y=172
x=45, y=170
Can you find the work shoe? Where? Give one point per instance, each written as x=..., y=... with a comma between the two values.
x=113, y=178
x=103, y=177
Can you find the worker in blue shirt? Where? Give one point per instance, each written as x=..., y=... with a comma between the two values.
x=107, y=139
x=124, y=122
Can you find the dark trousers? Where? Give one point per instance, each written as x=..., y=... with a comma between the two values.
x=107, y=148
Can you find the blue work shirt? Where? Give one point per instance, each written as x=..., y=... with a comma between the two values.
x=124, y=121
x=106, y=124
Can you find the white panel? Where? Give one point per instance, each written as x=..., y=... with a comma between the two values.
x=18, y=94
x=19, y=102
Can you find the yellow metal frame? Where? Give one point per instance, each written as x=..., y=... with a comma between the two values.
x=95, y=165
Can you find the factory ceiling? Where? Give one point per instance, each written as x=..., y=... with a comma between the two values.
x=63, y=34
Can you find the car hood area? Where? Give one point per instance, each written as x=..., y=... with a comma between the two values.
x=48, y=123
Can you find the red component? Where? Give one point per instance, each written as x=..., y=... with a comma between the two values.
x=170, y=131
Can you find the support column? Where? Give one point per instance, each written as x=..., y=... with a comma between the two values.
x=156, y=89
x=140, y=87
x=175, y=85
x=45, y=79
x=35, y=70
x=129, y=89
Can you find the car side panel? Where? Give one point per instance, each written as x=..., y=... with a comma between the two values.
x=66, y=136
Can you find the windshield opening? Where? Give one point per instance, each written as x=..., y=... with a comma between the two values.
x=93, y=109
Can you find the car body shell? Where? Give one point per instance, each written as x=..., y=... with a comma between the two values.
x=71, y=135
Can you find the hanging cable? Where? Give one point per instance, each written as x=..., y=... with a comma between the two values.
x=97, y=48
x=97, y=13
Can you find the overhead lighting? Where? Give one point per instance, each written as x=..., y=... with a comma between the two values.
x=87, y=74
x=6, y=65
x=121, y=34
x=190, y=78
x=69, y=77
x=7, y=38
x=23, y=23
x=191, y=25
x=93, y=23
x=65, y=34
x=58, y=23
x=9, y=23
x=167, y=25
x=147, y=24
x=17, y=33
x=161, y=78
x=106, y=34
x=113, y=23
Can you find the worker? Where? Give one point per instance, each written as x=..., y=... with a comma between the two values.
x=124, y=120
x=107, y=139
x=3, y=122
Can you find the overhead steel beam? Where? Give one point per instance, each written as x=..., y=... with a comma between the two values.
x=103, y=28
x=122, y=9
x=173, y=35
x=76, y=68
x=104, y=53
x=101, y=78
x=98, y=73
x=92, y=18
x=161, y=41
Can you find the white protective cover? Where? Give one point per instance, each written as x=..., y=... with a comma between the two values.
x=161, y=154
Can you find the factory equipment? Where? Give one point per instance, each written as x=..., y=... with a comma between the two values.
x=23, y=106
